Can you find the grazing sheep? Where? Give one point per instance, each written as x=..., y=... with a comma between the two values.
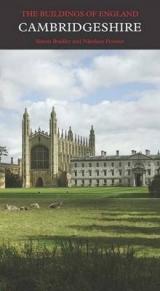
x=56, y=204
x=11, y=207
x=35, y=205
x=24, y=208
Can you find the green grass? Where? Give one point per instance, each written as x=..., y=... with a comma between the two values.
x=76, y=266
x=106, y=191
x=99, y=237
x=121, y=216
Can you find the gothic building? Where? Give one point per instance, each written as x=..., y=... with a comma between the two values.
x=46, y=156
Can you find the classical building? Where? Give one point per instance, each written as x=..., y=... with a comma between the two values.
x=136, y=169
x=13, y=167
x=46, y=156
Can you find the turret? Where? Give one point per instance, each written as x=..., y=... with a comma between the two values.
x=53, y=122
x=70, y=134
x=54, y=147
x=58, y=133
x=25, y=150
x=92, y=141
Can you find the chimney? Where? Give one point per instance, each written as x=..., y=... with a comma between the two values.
x=133, y=152
x=11, y=160
x=117, y=153
x=103, y=154
x=19, y=161
x=147, y=152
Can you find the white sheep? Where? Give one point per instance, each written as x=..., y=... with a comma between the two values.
x=56, y=204
x=35, y=205
x=11, y=207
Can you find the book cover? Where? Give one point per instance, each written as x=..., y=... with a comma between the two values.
x=79, y=145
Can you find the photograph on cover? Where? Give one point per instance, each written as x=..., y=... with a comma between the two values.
x=116, y=92
x=79, y=166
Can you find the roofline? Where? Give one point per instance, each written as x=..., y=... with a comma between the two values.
x=114, y=157
x=10, y=165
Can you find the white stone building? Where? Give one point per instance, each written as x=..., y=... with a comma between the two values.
x=136, y=169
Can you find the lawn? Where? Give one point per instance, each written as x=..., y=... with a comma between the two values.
x=119, y=215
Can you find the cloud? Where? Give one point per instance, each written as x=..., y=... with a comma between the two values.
x=25, y=75
x=113, y=70
x=118, y=124
x=71, y=75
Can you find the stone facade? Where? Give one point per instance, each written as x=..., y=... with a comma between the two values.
x=46, y=156
x=15, y=168
x=136, y=169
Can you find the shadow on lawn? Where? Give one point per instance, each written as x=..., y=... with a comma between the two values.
x=99, y=240
x=132, y=219
x=76, y=266
x=119, y=229
x=119, y=234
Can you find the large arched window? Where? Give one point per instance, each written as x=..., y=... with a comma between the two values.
x=39, y=157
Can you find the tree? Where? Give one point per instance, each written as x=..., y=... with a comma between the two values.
x=154, y=187
x=12, y=180
x=3, y=152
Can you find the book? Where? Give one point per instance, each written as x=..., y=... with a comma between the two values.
x=79, y=145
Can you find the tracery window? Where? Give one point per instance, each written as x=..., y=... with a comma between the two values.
x=39, y=157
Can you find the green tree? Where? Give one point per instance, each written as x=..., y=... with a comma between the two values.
x=12, y=180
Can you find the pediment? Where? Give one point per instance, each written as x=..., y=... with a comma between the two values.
x=140, y=156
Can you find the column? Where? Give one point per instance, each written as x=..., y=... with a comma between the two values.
x=143, y=180
x=134, y=181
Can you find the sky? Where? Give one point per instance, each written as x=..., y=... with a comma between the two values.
x=116, y=91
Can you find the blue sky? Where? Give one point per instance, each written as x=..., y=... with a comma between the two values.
x=116, y=91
